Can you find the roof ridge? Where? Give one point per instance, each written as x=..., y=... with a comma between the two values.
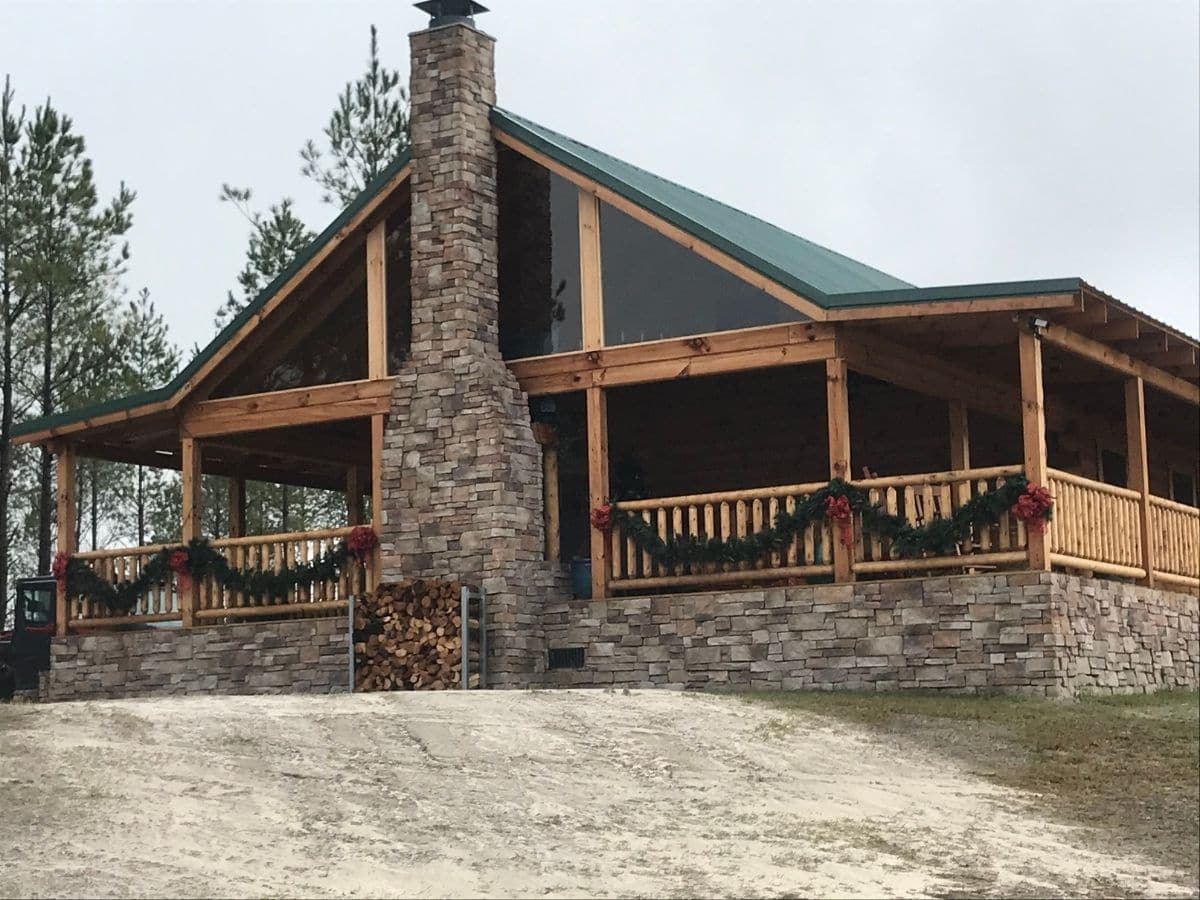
x=695, y=193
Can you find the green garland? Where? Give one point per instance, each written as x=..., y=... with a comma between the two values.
x=937, y=537
x=198, y=560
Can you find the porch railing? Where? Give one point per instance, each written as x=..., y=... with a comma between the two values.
x=165, y=601
x=159, y=603
x=1176, y=529
x=1095, y=526
x=920, y=499
x=721, y=515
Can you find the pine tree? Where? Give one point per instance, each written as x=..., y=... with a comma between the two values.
x=149, y=360
x=74, y=263
x=367, y=131
x=276, y=238
x=13, y=308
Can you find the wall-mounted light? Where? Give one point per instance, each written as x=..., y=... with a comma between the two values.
x=1038, y=325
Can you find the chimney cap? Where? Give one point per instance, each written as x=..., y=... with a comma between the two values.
x=450, y=12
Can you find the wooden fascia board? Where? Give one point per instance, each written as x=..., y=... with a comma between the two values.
x=280, y=409
x=361, y=218
x=666, y=229
x=745, y=350
x=965, y=306
x=1111, y=358
x=172, y=402
x=104, y=420
x=1093, y=296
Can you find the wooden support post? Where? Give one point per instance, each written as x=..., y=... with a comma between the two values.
x=1139, y=468
x=237, y=507
x=377, y=302
x=547, y=436
x=590, y=281
x=597, y=450
x=354, y=498
x=838, y=412
x=1033, y=432
x=193, y=512
x=65, y=489
x=960, y=445
x=377, y=430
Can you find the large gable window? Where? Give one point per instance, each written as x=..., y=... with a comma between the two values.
x=324, y=341
x=538, y=259
x=655, y=288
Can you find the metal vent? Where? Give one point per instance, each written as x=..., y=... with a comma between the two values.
x=565, y=658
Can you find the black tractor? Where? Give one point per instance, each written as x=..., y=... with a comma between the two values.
x=25, y=651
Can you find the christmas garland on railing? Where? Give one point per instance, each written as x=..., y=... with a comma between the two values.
x=837, y=502
x=199, y=559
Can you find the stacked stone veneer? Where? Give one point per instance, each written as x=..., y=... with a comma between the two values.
x=1037, y=633
x=462, y=491
x=299, y=656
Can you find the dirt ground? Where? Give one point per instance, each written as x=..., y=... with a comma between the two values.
x=512, y=794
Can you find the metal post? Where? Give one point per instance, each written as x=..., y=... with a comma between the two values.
x=464, y=638
x=483, y=639
x=350, y=634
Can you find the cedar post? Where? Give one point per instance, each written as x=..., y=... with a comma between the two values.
x=838, y=411
x=237, y=507
x=378, y=423
x=377, y=302
x=1033, y=432
x=597, y=450
x=354, y=504
x=591, y=285
x=960, y=445
x=65, y=486
x=547, y=436
x=193, y=508
x=1139, y=468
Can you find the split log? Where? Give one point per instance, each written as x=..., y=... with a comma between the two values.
x=407, y=637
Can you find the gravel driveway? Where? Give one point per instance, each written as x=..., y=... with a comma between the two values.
x=509, y=794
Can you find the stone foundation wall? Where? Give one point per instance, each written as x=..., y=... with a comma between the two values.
x=296, y=656
x=1037, y=633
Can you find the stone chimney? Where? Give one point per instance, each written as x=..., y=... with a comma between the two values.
x=462, y=484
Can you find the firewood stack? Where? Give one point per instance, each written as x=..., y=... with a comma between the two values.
x=407, y=637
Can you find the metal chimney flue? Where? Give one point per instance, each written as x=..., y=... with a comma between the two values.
x=451, y=12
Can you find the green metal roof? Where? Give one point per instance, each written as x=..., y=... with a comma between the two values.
x=807, y=268
x=251, y=309
x=828, y=279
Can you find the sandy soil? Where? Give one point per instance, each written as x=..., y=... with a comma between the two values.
x=509, y=794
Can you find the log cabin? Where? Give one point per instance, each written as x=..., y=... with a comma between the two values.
x=510, y=331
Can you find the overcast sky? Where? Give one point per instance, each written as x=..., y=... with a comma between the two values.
x=944, y=142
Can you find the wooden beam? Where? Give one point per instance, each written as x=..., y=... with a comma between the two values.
x=237, y=507
x=669, y=231
x=281, y=409
x=193, y=515
x=598, y=490
x=838, y=414
x=65, y=498
x=354, y=497
x=1114, y=359
x=669, y=360
x=960, y=444
x=591, y=285
x=965, y=306
x=1137, y=466
x=1033, y=433
x=1116, y=330
x=377, y=301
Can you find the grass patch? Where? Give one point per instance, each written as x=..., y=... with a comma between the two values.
x=1129, y=765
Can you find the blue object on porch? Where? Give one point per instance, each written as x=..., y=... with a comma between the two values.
x=581, y=578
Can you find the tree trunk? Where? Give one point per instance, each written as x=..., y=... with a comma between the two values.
x=6, y=452
x=46, y=467
x=283, y=518
x=95, y=523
